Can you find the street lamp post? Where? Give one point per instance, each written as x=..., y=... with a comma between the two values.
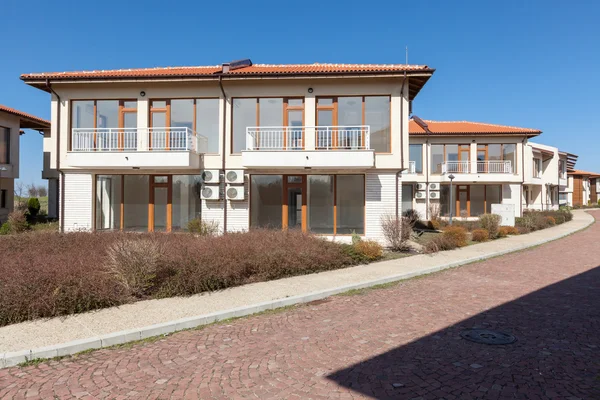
x=451, y=177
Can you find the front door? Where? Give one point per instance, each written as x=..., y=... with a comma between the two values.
x=160, y=207
x=463, y=206
x=294, y=202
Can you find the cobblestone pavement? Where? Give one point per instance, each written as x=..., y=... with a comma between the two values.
x=397, y=342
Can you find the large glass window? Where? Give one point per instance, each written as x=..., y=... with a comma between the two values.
x=108, y=202
x=270, y=112
x=494, y=152
x=320, y=204
x=377, y=116
x=509, y=153
x=445, y=204
x=182, y=113
x=437, y=158
x=94, y=118
x=82, y=114
x=207, y=122
x=266, y=196
x=477, y=200
x=350, y=207
x=416, y=156
x=136, y=200
x=4, y=145
x=244, y=115
x=407, y=197
x=493, y=195
x=186, y=200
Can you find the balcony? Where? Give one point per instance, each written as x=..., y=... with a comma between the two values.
x=479, y=167
x=172, y=147
x=308, y=147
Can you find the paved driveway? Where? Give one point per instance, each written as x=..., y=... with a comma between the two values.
x=399, y=342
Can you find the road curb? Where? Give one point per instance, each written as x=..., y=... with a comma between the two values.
x=11, y=359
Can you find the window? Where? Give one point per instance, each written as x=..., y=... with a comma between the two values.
x=330, y=204
x=352, y=113
x=496, y=153
x=469, y=200
x=437, y=158
x=416, y=155
x=3, y=198
x=92, y=120
x=321, y=204
x=4, y=145
x=108, y=202
x=135, y=201
x=350, y=207
x=537, y=167
x=562, y=170
x=186, y=200
x=407, y=198
x=266, y=196
x=563, y=198
x=268, y=111
x=199, y=115
x=455, y=156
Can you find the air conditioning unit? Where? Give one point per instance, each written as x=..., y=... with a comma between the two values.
x=234, y=176
x=421, y=186
x=235, y=192
x=420, y=195
x=434, y=195
x=211, y=176
x=210, y=192
x=434, y=186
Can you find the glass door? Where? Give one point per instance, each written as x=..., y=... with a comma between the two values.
x=462, y=201
x=482, y=157
x=159, y=134
x=128, y=125
x=294, y=120
x=464, y=157
x=160, y=207
x=294, y=202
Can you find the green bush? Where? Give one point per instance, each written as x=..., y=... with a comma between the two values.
x=5, y=228
x=491, y=223
x=33, y=205
x=351, y=252
x=480, y=235
x=203, y=228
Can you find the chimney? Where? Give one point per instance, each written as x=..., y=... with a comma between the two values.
x=225, y=68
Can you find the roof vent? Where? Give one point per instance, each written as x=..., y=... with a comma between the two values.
x=233, y=65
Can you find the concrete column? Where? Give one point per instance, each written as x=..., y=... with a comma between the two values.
x=310, y=119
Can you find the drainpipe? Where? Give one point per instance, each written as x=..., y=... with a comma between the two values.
x=224, y=149
x=426, y=168
x=522, y=175
x=61, y=186
x=401, y=145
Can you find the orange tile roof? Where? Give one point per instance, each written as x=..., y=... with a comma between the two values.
x=580, y=172
x=206, y=71
x=37, y=122
x=468, y=128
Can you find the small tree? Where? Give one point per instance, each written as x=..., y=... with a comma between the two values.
x=32, y=190
x=33, y=205
x=397, y=232
x=20, y=204
x=42, y=191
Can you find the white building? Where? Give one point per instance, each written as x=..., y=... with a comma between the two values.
x=12, y=123
x=318, y=147
x=488, y=162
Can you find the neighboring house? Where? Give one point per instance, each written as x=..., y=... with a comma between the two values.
x=12, y=122
x=585, y=188
x=488, y=163
x=318, y=147
x=546, y=177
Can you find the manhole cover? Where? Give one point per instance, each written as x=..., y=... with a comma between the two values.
x=486, y=336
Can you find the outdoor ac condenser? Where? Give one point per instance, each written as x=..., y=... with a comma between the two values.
x=234, y=176
x=211, y=176
x=235, y=192
x=210, y=192
x=421, y=186
x=434, y=195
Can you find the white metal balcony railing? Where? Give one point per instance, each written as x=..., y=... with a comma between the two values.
x=294, y=137
x=412, y=167
x=481, y=167
x=137, y=139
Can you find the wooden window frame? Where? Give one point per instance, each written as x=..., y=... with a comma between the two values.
x=335, y=116
x=486, y=150
x=286, y=107
x=304, y=186
x=121, y=118
x=468, y=190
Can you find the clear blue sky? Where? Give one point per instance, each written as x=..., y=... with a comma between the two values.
x=525, y=63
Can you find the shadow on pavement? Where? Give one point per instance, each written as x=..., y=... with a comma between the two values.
x=557, y=353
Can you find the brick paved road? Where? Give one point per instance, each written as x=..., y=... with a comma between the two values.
x=399, y=342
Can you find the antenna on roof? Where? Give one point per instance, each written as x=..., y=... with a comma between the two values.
x=406, y=55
